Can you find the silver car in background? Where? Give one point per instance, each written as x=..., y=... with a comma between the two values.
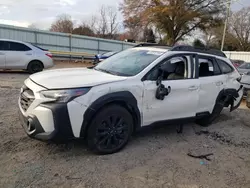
x=244, y=68
x=17, y=55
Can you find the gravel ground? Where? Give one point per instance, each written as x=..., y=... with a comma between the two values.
x=155, y=157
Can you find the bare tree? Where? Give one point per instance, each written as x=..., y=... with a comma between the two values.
x=240, y=28
x=107, y=23
x=63, y=23
x=237, y=33
x=208, y=35
x=92, y=24
x=112, y=21
x=83, y=29
x=102, y=28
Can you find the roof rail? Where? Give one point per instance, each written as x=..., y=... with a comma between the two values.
x=152, y=45
x=199, y=50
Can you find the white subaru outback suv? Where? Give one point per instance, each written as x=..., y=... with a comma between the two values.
x=137, y=87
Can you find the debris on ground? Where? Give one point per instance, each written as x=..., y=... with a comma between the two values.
x=201, y=156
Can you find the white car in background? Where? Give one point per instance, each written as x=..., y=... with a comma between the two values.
x=245, y=81
x=20, y=55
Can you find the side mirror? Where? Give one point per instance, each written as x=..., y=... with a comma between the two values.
x=162, y=92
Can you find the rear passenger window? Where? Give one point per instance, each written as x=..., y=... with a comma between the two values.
x=14, y=46
x=225, y=68
x=208, y=67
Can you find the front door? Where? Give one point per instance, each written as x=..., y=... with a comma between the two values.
x=182, y=100
x=17, y=55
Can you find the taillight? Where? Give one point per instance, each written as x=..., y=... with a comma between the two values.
x=49, y=55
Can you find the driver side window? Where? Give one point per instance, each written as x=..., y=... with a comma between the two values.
x=176, y=68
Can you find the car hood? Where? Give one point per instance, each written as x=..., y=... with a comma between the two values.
x=73, y=78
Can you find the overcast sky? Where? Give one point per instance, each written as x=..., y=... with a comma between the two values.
x=43, y=12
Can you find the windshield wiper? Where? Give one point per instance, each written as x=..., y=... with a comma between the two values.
x=112, y=72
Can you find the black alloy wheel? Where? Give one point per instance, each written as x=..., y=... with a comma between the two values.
x=110, y=130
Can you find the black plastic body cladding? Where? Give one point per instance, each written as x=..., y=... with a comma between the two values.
x=123, y=98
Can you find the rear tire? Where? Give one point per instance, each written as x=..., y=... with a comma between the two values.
x=206, y=121
x=110, y=130
x=34, y=67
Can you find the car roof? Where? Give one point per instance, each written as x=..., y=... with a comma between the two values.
x=153, y=48
x=18, y=41
x=186, y=48
x=159, y=49
x=10, y=40
x=33, y=47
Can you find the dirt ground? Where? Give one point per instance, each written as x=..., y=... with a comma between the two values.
x=155, y=157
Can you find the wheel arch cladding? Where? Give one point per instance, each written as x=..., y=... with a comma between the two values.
x=228, y=95
x=123, y=98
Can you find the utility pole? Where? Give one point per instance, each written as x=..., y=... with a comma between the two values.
x=226, y=22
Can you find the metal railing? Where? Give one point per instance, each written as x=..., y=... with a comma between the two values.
x=72, y=55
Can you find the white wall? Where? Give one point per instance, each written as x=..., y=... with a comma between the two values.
x=245, y=56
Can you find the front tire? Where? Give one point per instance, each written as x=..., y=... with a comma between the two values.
x=110, y=130
x=206, y=121
x=34, y=67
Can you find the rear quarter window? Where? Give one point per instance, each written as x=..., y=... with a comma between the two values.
x=225, y=67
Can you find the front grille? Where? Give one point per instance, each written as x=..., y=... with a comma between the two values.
x=26, y=98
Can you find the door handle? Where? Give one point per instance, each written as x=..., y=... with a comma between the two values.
x=193, y=88
x=28, y=53
x=1, y=53
x=219, y=83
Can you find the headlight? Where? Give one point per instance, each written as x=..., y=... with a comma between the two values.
x=63, y=96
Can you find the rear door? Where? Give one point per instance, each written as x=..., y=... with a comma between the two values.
x=211, y=82
x=2, y=55
x=18, y=55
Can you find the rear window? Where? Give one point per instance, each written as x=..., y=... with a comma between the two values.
x=225, y=67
